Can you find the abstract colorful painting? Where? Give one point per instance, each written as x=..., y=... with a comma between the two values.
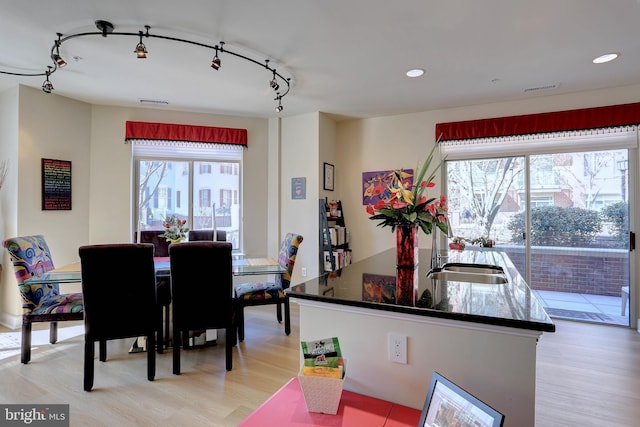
x=376, y=185
x=56, y=185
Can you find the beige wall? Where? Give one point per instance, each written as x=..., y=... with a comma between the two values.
x=8, y=198
x=52, y=127
x=299, y=158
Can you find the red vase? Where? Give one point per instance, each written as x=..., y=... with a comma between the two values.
x=407, y=246
x=407, y=285
x=406, y=265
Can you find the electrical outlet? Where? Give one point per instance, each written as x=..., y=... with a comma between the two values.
x=303, y=271
x=398, y=348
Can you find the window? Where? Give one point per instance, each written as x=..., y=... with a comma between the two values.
x=163, y=198
x=205, y=197
x=164, y=186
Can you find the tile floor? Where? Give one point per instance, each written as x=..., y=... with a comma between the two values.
x=582, y=307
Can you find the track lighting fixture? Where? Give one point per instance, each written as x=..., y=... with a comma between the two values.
x=141, y=49
x=216, y=63
x=47, y=86
x=60, y=62
x=106, y=28
x=274, y=83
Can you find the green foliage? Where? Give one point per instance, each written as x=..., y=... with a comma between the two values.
x=556, y=226
x=618, y=215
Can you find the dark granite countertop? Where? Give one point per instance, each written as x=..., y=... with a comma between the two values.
x=370, y=283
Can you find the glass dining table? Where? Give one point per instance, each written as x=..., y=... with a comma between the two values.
x=241, y=265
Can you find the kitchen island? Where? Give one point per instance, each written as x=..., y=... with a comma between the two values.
x=481, y=336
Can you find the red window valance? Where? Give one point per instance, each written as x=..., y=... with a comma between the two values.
x=587, y=118
x=175, y=132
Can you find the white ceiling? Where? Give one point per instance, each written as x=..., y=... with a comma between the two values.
x=345, y=57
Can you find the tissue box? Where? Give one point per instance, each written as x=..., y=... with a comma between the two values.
x=321, y=394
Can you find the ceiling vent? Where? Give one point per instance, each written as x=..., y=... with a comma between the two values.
x=541, y=88
x=154, y=101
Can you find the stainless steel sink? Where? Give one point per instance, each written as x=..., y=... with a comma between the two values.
x=473, y=268
x=460, y=276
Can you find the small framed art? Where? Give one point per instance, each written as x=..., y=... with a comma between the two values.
x=329, y=171
x=298, y=188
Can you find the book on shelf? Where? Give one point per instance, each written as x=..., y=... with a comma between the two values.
x=341, y=258
x=338, y=235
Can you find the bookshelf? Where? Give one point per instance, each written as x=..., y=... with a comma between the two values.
x=334, y=236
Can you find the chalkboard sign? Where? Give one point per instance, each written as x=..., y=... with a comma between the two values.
x=56, y=185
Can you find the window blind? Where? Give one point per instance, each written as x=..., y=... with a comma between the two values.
x=542, y=143
x=142, y=148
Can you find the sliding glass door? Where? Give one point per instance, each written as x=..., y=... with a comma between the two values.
x=563, y=220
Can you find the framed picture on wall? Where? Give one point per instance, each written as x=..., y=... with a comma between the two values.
x=56, y=185
x=298, y=188
x=329, y=170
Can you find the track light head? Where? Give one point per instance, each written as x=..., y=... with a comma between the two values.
x=56, y=56
x=279, y=107
x=274, y=83
x=141, y=49
x=216, y=63
x=47, y=86
x=59, y=60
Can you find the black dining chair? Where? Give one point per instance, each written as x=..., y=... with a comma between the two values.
x=200, y=235
x=125, y=271
x=201, y=285
x=163, y=287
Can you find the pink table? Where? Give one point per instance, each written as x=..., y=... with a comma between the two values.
x=287, y=408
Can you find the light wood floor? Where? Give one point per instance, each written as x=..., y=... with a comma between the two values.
x=588, y=375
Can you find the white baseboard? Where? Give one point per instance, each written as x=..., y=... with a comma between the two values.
x=10, y=321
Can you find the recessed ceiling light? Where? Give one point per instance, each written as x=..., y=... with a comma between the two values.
x=415, y=72
x=607, y=57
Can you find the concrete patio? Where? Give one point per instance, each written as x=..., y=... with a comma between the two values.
x=584, y=307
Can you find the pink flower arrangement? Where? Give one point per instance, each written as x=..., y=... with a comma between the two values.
x=408, y=206
x=175, y=229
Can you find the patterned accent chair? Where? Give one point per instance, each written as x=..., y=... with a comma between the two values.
x=251, y=294
x=41, y=302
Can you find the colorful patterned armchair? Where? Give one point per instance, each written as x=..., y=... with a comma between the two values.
x=250, y=294
x=40, y=302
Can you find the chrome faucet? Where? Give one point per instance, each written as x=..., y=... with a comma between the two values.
x=435, y=256
x=436, y=259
